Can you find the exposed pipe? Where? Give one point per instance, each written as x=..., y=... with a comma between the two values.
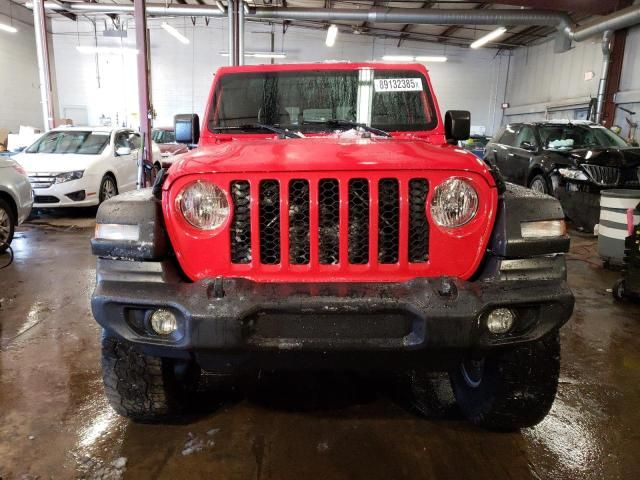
x=561, y=21
x=602, y=85
x=44, y=70
x=624, y=18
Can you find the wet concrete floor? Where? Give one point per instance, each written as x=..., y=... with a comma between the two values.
x=55, y=422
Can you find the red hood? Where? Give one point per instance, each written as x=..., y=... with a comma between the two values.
x=326, y=154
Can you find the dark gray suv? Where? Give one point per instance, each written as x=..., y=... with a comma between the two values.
x=572, y=161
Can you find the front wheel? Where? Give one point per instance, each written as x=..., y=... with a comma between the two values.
x=539, y=184
x=142, y=387
x=509, y=388
x=7, y=225
x=108, y=188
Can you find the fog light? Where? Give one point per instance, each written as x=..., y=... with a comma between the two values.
x=500, y=320
x=164, y=322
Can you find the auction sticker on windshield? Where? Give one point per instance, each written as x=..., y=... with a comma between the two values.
x=398, y=84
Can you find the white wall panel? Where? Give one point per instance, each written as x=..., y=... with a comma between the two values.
x=182, y=74
x=19, y=84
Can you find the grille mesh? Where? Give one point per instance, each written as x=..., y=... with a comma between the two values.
x=269, y=222
x=418, y=225
x=299, y=249
x=329, y=222
x=241, y=222
x=297, y=204
x=358, y=221
x=388, y=220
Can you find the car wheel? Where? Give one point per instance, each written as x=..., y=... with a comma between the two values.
x=142, y=387
x=108, y=188
x=539, y=184
x=619, y=290
x=509, y=388
x=7, y=225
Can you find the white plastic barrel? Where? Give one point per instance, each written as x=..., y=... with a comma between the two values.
x=613, y=223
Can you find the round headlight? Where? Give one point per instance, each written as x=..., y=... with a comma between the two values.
x=454, y=203
x=204, y=205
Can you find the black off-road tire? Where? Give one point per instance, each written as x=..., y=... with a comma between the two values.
x=10, y=220
x=516, y=388
x=429, y=394
x=141, y=387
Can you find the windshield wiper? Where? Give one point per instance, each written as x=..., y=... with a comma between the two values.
x=334, y=122
x=263, y=126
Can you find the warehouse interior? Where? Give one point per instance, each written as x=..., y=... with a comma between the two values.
x=112, y=69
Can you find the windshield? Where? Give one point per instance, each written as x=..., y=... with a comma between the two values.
x=163, y=136
x=391, y=100
x=567, y=137
x=75, y=142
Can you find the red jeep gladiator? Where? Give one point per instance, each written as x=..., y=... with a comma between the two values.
x=327, y=220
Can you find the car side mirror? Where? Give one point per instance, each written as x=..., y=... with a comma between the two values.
x=457, y=125
x=187, y=128
x=122, y=151
x=528, y=146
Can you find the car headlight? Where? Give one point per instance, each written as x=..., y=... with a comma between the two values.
x=573, y=174
x=204, y=205
x=454, y=203
x=68, y=176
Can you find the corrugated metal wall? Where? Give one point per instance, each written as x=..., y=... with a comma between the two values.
x=547, y=85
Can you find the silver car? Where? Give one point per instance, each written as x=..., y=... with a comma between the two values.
x=16, y=199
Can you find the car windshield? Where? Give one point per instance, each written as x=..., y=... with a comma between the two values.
x=568, y=137
x=320, y=101
x=73, y=142
x=163, y=136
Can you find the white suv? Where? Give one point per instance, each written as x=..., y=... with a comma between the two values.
x=82, y=166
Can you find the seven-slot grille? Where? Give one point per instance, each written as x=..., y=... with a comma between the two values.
x=603, y=175
x=371, y=221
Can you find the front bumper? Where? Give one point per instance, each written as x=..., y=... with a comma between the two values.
x=55, y=196
x=240, y=316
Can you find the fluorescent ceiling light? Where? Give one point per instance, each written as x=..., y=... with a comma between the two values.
x=332, y=33
x=260, y=54
x=107, y=50
x=398, y=58
x=409, y=58
x=246, y=8
x=8, y=28
x=436, y=58
x=220, y=6
x=175, y=33
x=498, y=32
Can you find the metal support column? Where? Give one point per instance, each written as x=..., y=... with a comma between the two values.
x=234, y=31
x=240, y=4
x=142, y=45
x=44, y=70
x=618, y=40
x=231, y=28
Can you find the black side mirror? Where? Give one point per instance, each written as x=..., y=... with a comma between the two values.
x=457, y=125
x=528, y=146
x=187, y=128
